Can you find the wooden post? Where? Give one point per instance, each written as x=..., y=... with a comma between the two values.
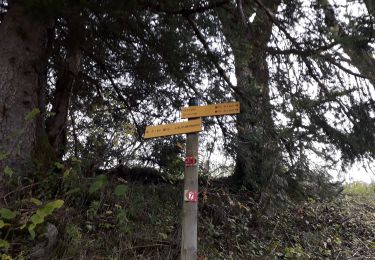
x=190, y=200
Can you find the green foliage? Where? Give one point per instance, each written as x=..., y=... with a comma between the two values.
x=36, y=201
x=7, y=257
x=100, y=182
x=167, y=154
x=72, y=187
x=8, y=171
x=4, y=244
x=229, y=224
x=59, y=165
x=7, y=214
x=123, y=221
x=121, y=190
x=39, y=216
x=92, y=212
x=295, y=252
x=73, y=240
x=32, y=114
x=31, y=216
x=359, y=189
x=4, y=155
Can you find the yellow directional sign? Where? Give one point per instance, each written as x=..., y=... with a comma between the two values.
x=211, y=110
x=173, y=129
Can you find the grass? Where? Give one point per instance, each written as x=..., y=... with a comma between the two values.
x=359, y=189
x=145, y=224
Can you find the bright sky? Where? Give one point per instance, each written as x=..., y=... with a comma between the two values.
x=358, y=173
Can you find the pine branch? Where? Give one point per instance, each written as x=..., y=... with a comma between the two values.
x=203, y=41
x=357, y=58
x=338, y=65
x=118, y=92
x=301, y=52
x=186, y=12
x=361, y=58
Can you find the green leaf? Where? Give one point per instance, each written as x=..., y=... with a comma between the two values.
x=36, y=201
x=8, y=171
x=72, y=191
x=100, y=181
x=59, y=166
x=4, y=244
x=32, y=114
x=31, y=230
x=2, y=224
x=7, y=213
x=49, y=208
x=37, y=219
x=8, y=257
x=4, y=155
x=66, y=173
x=121, y=190
x=56, y=204
x=43, y=212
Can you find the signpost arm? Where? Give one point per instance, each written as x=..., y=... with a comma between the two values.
x=190, y=205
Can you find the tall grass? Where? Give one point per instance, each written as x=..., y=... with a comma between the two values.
x=359, y=188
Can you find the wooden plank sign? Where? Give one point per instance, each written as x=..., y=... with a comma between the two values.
x=211, y=110
x=191, y=126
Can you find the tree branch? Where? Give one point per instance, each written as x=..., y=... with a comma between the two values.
x=301, y=52
x=203, y=41
x=361, y=58
x=118, y=92
x=186, y=12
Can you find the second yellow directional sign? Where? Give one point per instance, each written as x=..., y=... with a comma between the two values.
x=211, y=110
x=173, y=129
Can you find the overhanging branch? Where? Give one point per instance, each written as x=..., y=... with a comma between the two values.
x=118, y=92
x=185, y=12
x=203, y=41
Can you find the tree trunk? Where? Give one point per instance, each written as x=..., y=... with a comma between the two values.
x=21, y=46
x=257, y=151
x=56, y=124
x=66, y=78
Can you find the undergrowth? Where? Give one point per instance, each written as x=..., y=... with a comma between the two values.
x=117, y=219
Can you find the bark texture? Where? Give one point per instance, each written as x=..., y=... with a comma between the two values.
x=21, y=46
x=66, y=78
x=257, y=145
x=56, y=125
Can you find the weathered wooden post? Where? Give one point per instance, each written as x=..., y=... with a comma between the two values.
x=190, y=201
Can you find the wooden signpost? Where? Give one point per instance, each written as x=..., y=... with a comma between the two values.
x=211, y=110
x=189, y=243
x=191, y=126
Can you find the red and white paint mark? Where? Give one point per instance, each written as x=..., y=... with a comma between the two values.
x=190, y=161
x=191, y=196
